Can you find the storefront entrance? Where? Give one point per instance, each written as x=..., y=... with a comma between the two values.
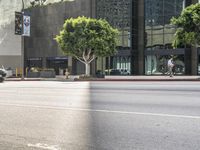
x=156, y=62
x=34, y=62
x=59, y=64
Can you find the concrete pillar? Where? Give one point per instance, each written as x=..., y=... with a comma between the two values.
x=137, y=37
x=70, y=64
x=141, y=29
x=187, y=61
x=194, y=61
x=93, y=67
x=44, y=62
x=134, y=38
x=93, y=8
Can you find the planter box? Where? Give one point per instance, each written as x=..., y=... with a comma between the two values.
x=47, y=74
x=33, y=74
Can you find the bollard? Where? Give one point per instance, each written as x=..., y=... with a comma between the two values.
x=16, y=72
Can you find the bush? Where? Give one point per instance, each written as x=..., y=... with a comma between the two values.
x=35, y=69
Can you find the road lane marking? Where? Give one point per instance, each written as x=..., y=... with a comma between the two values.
x=100, y=110
x=44, y=146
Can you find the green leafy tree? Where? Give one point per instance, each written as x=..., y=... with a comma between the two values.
x=188, y=24
x=37, y=2
x=87, y=38
x=45, y=2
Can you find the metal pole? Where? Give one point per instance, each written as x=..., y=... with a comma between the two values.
x=22, y=44
x=22, y=57
x=22, y=5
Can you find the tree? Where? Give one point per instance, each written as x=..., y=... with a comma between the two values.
x=45, y=2
x=87, y=38
x=37, y=2
x=188, y=24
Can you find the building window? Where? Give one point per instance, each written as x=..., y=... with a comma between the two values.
x=159, y=34
x=157, y=64
x=121, y=65
x=118, y=14
x=34, y=62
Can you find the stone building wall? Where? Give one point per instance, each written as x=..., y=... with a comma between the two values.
x=10, y=44
x=46, y=22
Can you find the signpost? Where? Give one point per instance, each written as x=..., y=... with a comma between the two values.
x=22, y=27
x=18, y=23
x=26, y=25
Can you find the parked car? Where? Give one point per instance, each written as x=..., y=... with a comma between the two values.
x=119, y=72
x=2, y=74
x=199, y=69
x=100, y=74
x=115, y=72
x=124, y=72
x=9, y=72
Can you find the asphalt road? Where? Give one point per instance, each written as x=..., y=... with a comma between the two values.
x=99, y=115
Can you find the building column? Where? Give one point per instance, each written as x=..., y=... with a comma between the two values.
x=70, y=64
x=44, y=62
x=137, y=37
x=93, y=8
x=93, y=67
x=194, y=60
x=141, y=29
x=194, y=57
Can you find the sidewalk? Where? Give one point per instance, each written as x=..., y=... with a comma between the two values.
x=153, y=78
x=114, y=78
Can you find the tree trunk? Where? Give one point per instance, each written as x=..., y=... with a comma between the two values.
x=87, y=69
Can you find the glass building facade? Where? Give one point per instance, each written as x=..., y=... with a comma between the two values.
x=159, y=36
x=118, y=14
x=146, y=35
x=144, y=42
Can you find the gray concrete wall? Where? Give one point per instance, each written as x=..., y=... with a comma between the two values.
x=10, y=44
x=10, y=61
x=47, y=21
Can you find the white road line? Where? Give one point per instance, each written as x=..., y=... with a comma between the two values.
x=44, y=146
x=102, y=111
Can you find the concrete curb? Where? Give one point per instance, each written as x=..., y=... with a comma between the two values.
x=131, y=80
x=16, y=79
x=136, y=78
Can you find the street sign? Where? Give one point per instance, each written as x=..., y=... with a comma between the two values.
x=22, y=24
x=26, y=25
x=18, y=23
